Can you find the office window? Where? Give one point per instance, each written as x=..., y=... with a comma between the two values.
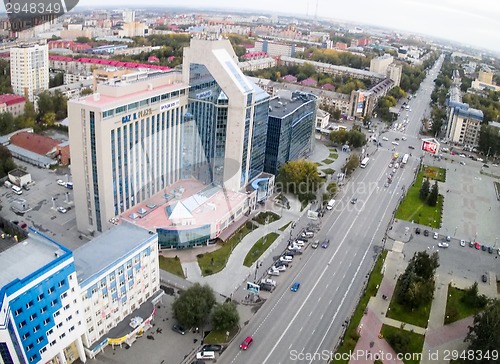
x=18, y=311
x=51, y=290
x=29, y=347
x=62, y=335
x=25, y=336
x=69, y=317
x=50, y=332
x=40, y=297
x=32, y=317
x=59, y=325
x=46, y=321
x=43, y=309
x=43, y=350
x=71, y=328
x=36, y=328
x=53, y=303
x=61, y=283
x=29, y=304
x=22, y=324
x=53, y=343
x=39, y=340
x=64, y=295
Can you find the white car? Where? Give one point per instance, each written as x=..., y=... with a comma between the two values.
x=294, y=247
x=273, y=272
x=479, y=159
x=62, y=210
x=443, y=245
x=385, y=138
x=395, y=143
x=299, y=243
x=280, y=268
x=404, y=138
x=205, y=355
x=269, y=281
x=436, y=235
x=286, y=258
x=60, y=182
x=462, y=242
x=462, y=155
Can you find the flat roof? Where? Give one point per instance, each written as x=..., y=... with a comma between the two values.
x=107, y=248
x=27, y=257
x=281, y=106
x=112, y=101
x=185, y=199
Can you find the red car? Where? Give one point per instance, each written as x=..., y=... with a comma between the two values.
x=477, y=245
x=246, y=343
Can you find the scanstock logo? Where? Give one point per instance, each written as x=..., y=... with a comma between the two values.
x=26, y=14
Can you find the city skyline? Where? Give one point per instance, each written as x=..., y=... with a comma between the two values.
x=445, y=19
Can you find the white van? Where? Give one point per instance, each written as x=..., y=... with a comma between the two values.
x=205, y=355
x=307, y=234
x=330, y=204
x=17, y=190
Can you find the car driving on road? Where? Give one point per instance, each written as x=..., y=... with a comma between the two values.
x=326, y=244
x=246, y=343
x=295, y=287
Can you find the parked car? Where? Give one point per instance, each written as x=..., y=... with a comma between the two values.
x=325, y=244
x=246, y=343
x=205, y=355
x=354, y=200
x=404, y=138
x=315, y=244
x=212, y=347
x=448, y=238
x=267, y=281
x=471, y=244
x=295, y=287
x=60, y=182
x=490, y=250
x=483, y=248
x=426, y=232
x=266, y=287
x=395, y=143
x=443, y=244
x=411, y=147
x=179, y=329
x=462, y=242
x=436, y=235
x=280, y=268
x=62, y=210
x=273, y=271
x=417, y=231
x=484, y=278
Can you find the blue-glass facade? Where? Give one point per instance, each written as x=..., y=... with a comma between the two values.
x=185, y=238
x=289, y=132
x=33, y=310
x=208, y=107
x=93, y=154
x=259, y=134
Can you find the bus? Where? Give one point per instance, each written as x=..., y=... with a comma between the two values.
x=405, y=158
x=364, y=162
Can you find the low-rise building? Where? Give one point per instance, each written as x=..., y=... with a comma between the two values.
x=12, y=103
x=322, y=119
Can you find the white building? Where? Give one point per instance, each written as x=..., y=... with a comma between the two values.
x=379, y=64
x=41, y=314
x=29, y=70
x=125, y=144
x=322, y=119
x=464, y=124
x=118, y=274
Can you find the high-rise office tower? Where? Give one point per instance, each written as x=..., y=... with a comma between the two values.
x=228, y=116
x=29, y=70
x=125, y=144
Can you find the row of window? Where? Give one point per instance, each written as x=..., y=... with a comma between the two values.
x=135, y=105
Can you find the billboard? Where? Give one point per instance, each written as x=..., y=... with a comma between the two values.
x=430, y=146
x=252, y=287
x=361, y=103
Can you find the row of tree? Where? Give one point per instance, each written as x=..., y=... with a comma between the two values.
x=489, y=140
x=353, y=137
x=6, y=162
x=429, y=194
x=197, y=306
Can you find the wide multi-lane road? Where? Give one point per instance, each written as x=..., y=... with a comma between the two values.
x=304, y=326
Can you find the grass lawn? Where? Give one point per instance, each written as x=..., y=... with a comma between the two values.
x=328, y=171
x=215, y=261
x=351, y=336
x=259, y=248
x=327, y=161
x=172, y=265
x=219, y=337
x=283, y=228
x=416, y=342
x=417, y=317
x=455, y=308
x=333, y=156
x=436, y=173
x=261, y=217
x=412, y=208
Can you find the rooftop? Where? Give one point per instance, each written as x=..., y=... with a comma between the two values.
x=108, y=62
x=287, y=102
x=27, y=257
x=35, y=143
x=109, y=247
x=10, y=99
x=186, y=199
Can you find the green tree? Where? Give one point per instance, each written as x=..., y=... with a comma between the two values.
x=400, y=343
x=225, y=316
x=57, y=80
x=29, y=110
x=45, y=103
x=356, y=138
x=192, y=308
x=6, y=162
x=299, y=177
x=432, y=199
x=425, y=265
x=6, y=123
x=83, y=40
x=484, y=334
x=340, y=136
x=425, y=190
x=473, y=298
x=351, y=164
x=332, y=188
x=49, y=119
x=87, y=91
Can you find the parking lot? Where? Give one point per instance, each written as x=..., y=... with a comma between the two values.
x=44, y=197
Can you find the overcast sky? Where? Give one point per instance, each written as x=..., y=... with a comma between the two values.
x=475, y=22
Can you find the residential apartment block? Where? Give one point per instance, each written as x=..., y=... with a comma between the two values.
x=29, y=69
x=464, y=124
